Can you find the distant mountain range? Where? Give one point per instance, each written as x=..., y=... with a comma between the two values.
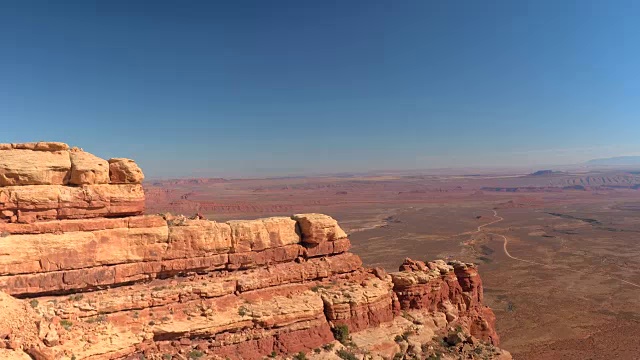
x=614, y=161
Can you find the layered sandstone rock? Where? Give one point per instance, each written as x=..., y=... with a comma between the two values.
x=29, y=167
x=454, y=288
x=318, y=228
x=124, y=171
x=101, y=281
x=87, y=169
x=49, y=181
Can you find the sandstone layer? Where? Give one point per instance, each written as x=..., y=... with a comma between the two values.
x=49, y=181
x=87, y=276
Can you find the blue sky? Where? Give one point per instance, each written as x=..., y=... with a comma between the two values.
x=256, y=88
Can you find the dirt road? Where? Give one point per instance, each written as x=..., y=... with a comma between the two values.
x=506, y=252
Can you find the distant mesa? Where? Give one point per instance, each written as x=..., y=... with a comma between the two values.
x=190, y=181
x=546, y=173
x=615, y=161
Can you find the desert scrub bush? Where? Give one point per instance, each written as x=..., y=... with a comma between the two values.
x=159, y=288
x=97, y=319
x=318, y=287
x=407, y=333
x=66, y=324
x=300, y=356
x=242, y=311
x=346, y=355
x=76, y=297
x=34, y=303
x=195, y=354
x=398, y=356
x=167, y=357
x=341, y=333
x=328, y=347
x=273, y=354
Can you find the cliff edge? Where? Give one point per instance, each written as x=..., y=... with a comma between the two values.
x=85, y=275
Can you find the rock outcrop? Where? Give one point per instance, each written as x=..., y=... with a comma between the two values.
x=49, y=181
x=87, y=276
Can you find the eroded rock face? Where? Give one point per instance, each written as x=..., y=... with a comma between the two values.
x=102, y=281
x=88, y=169
x=124, y=171
x=454, y=288
x=28, y=167
x=48, y=181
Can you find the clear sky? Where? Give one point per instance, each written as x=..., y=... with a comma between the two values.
x=254, y=88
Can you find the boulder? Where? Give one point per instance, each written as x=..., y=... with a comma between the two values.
x=260, y=234
x=124, y=171
x=318, y=228
x=87, y=169
x=27, y=167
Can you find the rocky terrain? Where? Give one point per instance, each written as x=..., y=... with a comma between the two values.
x=85, y=275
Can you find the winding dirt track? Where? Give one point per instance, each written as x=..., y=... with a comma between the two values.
x=506, y=252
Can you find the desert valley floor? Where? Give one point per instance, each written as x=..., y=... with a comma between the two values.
x=559, y=253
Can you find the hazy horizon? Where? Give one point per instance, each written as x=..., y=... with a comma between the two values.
x=252, y=88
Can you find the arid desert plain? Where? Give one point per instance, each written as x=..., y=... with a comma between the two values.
x=559, y=252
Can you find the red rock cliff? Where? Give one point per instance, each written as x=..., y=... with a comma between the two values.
x=103, y=281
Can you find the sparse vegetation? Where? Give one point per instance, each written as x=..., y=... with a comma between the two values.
x=151, y=323
x=34, y=303
x=77, y=297
x=159, y=288
x=346, y=355
x=328, y=347
x=318, y=287
x=195, y=354
x=167, y=357
x=66, y=324
x=300, y=356
x=341, y=333
x=273, y=354
x=97, y=319
x=398, y=356
x=242, y=311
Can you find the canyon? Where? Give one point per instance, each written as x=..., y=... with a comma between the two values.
x=87, y=272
